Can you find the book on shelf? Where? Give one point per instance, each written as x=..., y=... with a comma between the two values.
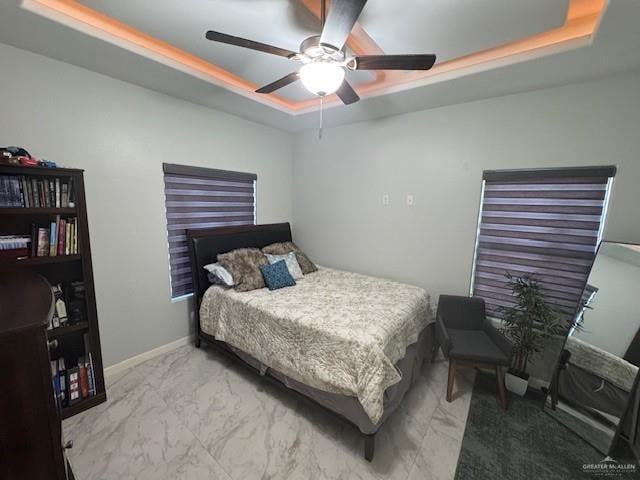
x=32, y=192
x=43, y=242
x=34, y=199
x=92, y=376
x=55, y=375
x=62, y=374
x=64, y=195
x=88, y=363
x=60, y=310
x=61, y=224
x=84, y=378
x=10, y=191
x=53, y=230
x=73, y=385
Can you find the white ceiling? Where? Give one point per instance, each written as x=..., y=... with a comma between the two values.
x=447, y=27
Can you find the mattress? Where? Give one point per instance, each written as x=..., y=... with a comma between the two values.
x=337, y=332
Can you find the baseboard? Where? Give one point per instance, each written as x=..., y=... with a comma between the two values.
x=143, y=357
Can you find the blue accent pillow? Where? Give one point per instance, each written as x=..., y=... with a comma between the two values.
x=277, y=275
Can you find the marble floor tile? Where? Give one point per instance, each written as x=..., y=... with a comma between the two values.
x=239, y=413
x=445, y=422
x=435, y=376
x=192, y=414
x=437, y=458
x=137, y=437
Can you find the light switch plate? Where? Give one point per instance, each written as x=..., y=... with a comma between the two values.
x=410, y=200
x=385, y=199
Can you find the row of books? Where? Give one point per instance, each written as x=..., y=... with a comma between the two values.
x=14, y=246
x=31, y=192
x=59, y=238
x=73, y=384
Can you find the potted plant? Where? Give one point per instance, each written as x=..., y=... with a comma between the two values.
x=528, y=324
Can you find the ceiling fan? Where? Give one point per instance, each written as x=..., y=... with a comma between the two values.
x=324, y=57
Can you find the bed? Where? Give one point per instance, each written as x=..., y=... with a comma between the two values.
x=350, y=343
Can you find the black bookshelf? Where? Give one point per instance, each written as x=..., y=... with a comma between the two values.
x=62, y=269
x=33, y=261
x=67, y=329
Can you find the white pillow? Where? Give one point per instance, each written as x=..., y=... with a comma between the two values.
x=292, y=263
x=221, y=273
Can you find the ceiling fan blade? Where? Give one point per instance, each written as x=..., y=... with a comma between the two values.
x=347, y=94
x=282, y=82
x=243, y=42
x=343, y=15
x=395, y=62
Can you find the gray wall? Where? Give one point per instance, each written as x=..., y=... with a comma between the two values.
x=438, y=156
x=121, y=134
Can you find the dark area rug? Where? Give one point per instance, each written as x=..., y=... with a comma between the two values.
x=522, y=443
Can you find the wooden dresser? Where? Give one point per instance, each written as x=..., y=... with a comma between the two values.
x=31, y=442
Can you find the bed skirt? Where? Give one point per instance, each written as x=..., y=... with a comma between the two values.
x=410, y=368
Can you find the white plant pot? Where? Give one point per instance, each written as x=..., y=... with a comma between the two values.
x=516, y=384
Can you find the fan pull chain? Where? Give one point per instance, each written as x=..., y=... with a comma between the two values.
x=320, y=129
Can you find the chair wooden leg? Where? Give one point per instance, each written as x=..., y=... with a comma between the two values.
x=369, y=446
x=452, y=375
x=501, y=390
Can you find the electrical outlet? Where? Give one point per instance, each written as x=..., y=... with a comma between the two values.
x=410, y=200
x=385, y=199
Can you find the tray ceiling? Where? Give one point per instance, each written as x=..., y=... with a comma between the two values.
x=466, y=35
x=125, y=40
x=449, y=28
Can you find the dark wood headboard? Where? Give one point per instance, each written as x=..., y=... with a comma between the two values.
x=205, y=245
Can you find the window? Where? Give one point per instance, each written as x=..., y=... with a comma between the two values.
x=202, y=198
x=546, y=223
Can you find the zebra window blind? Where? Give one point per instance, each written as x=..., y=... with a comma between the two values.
x=202, y=198
x=546, y=223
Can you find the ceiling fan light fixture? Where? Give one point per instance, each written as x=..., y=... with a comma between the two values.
x=322, y=78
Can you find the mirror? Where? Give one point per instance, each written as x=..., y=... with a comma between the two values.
x=594, y=390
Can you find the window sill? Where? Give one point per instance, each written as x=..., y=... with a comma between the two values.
x=181, y=298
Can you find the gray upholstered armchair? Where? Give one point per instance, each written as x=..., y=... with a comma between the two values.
x=468, y=338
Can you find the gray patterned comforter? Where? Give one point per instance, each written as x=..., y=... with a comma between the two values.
x=335, y=331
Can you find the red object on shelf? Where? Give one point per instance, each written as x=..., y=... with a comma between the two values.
x=14, y=253
x=84, y=382
x=28, y=161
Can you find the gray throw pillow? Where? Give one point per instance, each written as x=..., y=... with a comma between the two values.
x=283, y=248
x=219, y=275
x=290, y=260
x=244, y=266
